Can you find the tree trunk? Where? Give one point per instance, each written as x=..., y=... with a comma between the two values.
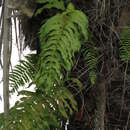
x=6, y=55
x=100, y=105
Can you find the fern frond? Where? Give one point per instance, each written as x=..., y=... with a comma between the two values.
x=48, y=4
x=60, y=38
x=36, y=111
x=77, y=83
x=23, y=73
x=125, y=44
x=90, y=55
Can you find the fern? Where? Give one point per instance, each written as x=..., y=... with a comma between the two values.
x=48, y=4
x=37, y=111
x=125, y=44
x=91, y=57
x=77, y=83
x=23, y=73
x=60, y=38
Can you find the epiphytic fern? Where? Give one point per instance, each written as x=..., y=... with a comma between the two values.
x=125, y=44
x=91, y=57
x=60, y=38
x=48, y=4
x=23, y=72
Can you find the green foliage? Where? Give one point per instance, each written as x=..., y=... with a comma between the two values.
x=48, y=4
x=36, y=111
x=125, y=44
x=60, y=38
x=23, y=73
x=77, y=83
x=91, y=58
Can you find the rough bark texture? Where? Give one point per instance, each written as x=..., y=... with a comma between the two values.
x=6, y=35
x=124, y=19
x=100, y=104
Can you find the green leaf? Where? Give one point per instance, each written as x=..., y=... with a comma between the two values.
x=60, y=39
x=125, y=44
x=49, y=4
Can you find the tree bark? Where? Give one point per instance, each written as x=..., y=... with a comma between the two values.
x=6, y=55
x=100, y=104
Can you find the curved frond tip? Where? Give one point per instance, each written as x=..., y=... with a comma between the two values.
x=60, y=39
